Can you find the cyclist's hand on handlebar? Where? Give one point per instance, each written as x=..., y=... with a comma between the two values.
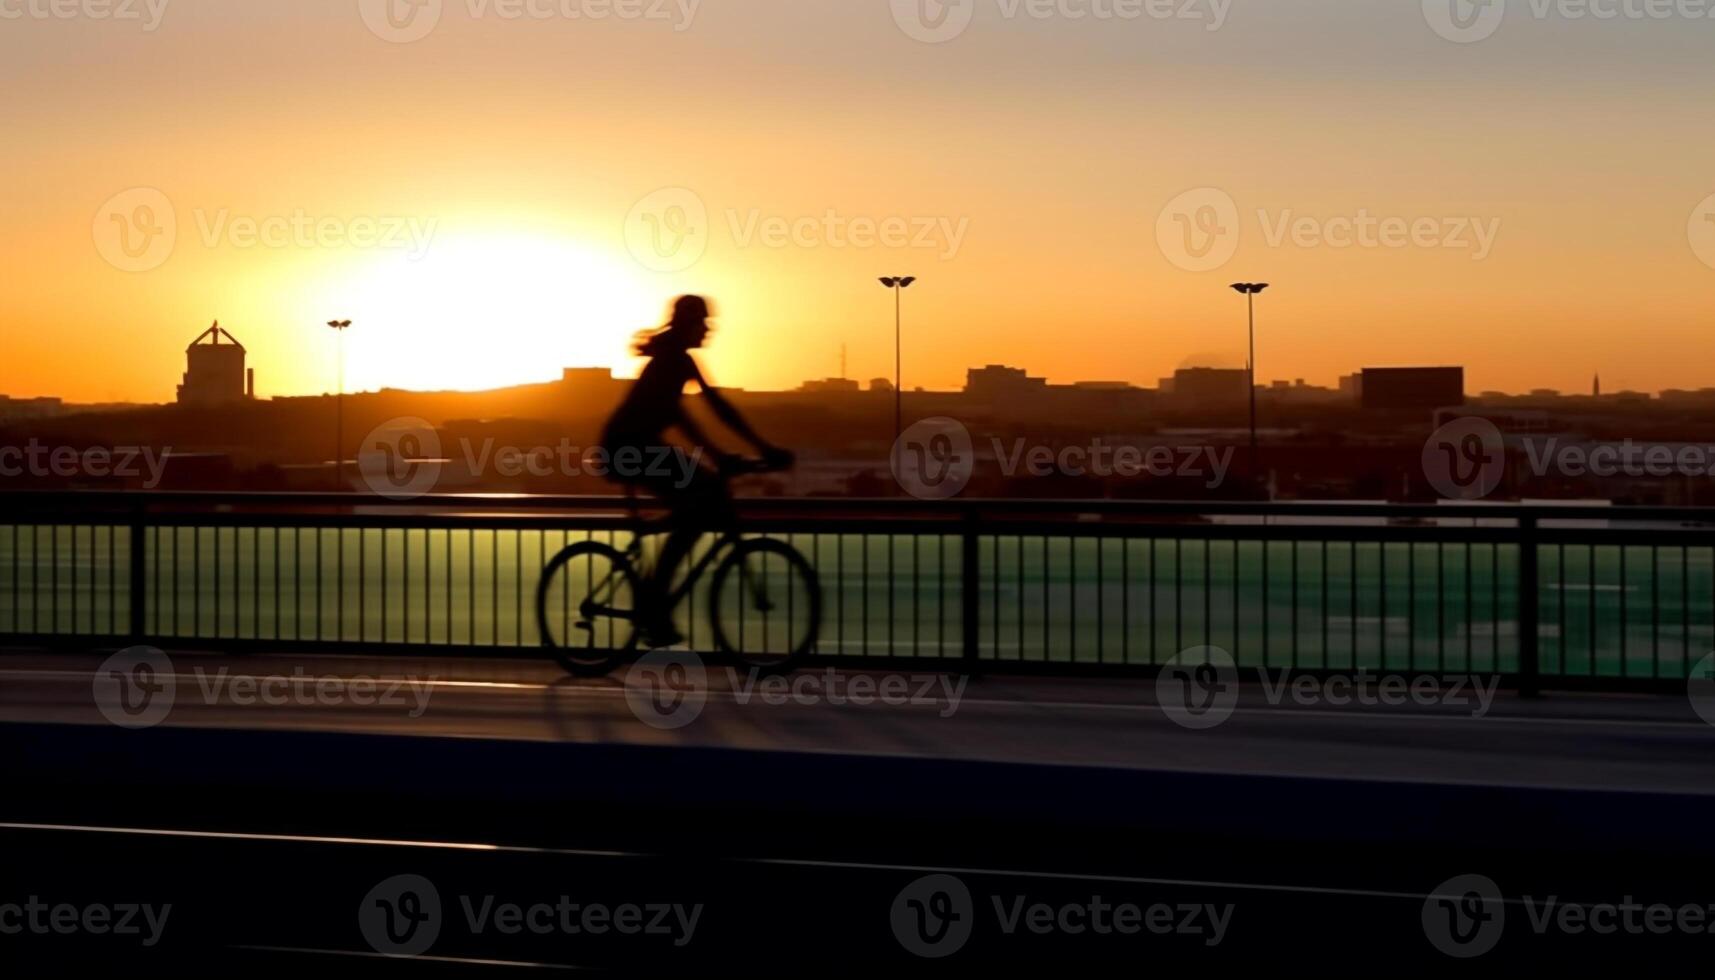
x=775, y=458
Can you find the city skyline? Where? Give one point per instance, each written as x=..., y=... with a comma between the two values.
x=866, y=381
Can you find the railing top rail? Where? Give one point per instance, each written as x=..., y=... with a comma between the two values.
x=109, y=501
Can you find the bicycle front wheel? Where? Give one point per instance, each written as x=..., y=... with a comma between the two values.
x=587, y=607
x=765, y=605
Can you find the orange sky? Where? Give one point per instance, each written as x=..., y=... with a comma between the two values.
x=521, y=160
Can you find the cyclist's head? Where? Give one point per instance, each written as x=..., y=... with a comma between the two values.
x=686, y=330
x=690, y=310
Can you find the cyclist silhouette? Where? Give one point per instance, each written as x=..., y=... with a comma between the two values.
x=698, y=498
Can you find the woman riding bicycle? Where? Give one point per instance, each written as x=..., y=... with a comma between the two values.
x=697, y=495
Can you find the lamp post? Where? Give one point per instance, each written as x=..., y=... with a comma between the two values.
x=1250, y=291
x=898, y=284
x=340, y=327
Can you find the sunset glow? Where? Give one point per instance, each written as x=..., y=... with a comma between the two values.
x=1026, y=165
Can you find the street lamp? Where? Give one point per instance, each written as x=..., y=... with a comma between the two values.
x=340, y=327
x=897, y=284
x=1250, y=291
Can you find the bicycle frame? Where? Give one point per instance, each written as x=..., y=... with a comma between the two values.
x=634, y=552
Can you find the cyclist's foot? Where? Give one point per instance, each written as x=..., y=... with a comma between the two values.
x=660, y=635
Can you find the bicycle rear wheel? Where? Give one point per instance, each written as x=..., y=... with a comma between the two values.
x=587, y=607
x=765, y=605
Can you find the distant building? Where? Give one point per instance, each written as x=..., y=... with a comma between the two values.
x=999, y=383
x=830, y=386
x=20, y=409
x=586, y=376
x=214, y=372
x=1208, y=387
x=1385, y=389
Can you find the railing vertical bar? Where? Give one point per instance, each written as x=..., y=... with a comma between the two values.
x=1655, y=610
x=1685, y=607
x=1101, y=603
x=139, y=600
x=1020, y=556
x=1352, y=576
x=970, y=589
x=916, y=595
x=1470, y=617
x=1530, y=596
x=17, y=610
x=73, y=571
x=840, y=563
x=1411, y=604
x=1440, y=608
x=1125, y=600
x=1560, y=607
x=178, y=579
x=1047, y=604
x=1494, y=606
x=1625, y=616
x=1208, y=593
x=892, y=598
x=1072, y=597
x=941, y=595
x=1327, y=661
x=1178, y=595
x=1237, y=579
x=54, y=578
x=1297, y=662
x=1594, y=646
x=1381, y=589
x=1154, y=630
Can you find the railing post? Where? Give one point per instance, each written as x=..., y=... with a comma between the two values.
x=970, y=586
x=1529, y=618
x=136, y=587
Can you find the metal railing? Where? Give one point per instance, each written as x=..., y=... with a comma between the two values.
x=1622, y=597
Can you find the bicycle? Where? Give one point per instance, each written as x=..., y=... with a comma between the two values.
x=588, y=601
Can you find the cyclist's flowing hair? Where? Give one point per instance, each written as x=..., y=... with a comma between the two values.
x=687, y=311
x=659, y=340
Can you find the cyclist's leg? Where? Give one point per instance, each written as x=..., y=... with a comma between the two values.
x=700, y=504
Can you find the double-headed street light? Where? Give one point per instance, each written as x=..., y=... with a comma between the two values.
x=340, y=327
x=1250, y=291
x=898, y=284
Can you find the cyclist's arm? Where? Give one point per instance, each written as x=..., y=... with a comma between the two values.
x=728, y=415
